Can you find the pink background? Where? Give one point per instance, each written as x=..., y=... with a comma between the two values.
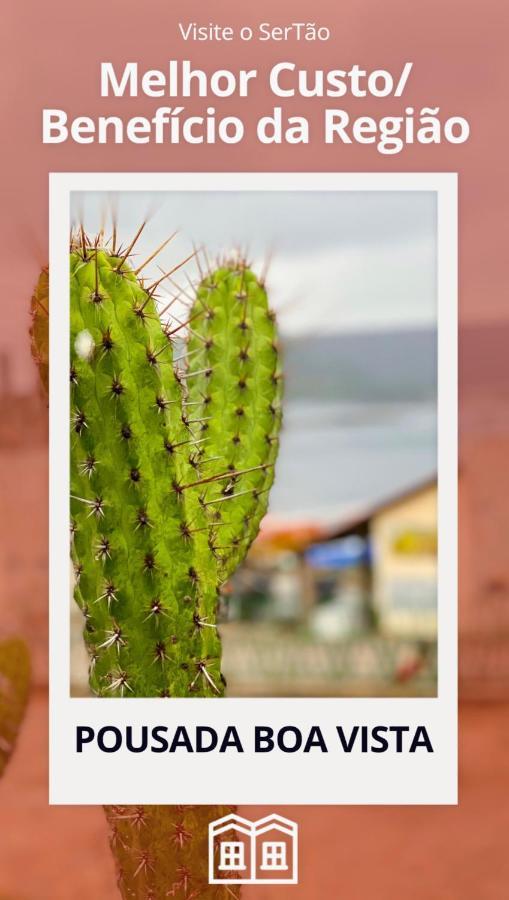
x=51, y=54
x=52, y=58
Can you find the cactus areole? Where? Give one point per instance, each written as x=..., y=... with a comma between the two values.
x=172, y=459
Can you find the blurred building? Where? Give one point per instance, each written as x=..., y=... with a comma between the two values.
x=402, y=537
x=342, y=610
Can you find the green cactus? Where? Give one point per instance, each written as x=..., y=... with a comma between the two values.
x=172, y=459
x=146, y=581
x=235, y=382
x=170, y=468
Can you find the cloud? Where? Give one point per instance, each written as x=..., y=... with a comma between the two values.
x=356, y=287
x=340, y=260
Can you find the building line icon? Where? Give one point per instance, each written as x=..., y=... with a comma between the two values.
x=246, y=852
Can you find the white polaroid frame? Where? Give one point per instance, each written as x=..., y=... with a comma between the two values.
x=335, y=777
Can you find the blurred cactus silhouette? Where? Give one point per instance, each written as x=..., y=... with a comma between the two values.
x=14, y=688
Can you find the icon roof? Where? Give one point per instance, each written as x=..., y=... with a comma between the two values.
x=267, y=823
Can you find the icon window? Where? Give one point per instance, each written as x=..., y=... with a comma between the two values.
x=274, y=855
x=231, y=856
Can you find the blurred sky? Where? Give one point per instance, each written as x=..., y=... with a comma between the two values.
x=339, y=260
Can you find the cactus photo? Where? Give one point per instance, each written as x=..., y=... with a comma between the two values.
x=253, y=498
x=208, y=328
x=172, y=461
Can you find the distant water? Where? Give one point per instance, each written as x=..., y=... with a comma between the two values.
x=336, y=459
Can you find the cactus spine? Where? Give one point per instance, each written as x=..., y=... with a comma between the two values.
x=172, y=459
